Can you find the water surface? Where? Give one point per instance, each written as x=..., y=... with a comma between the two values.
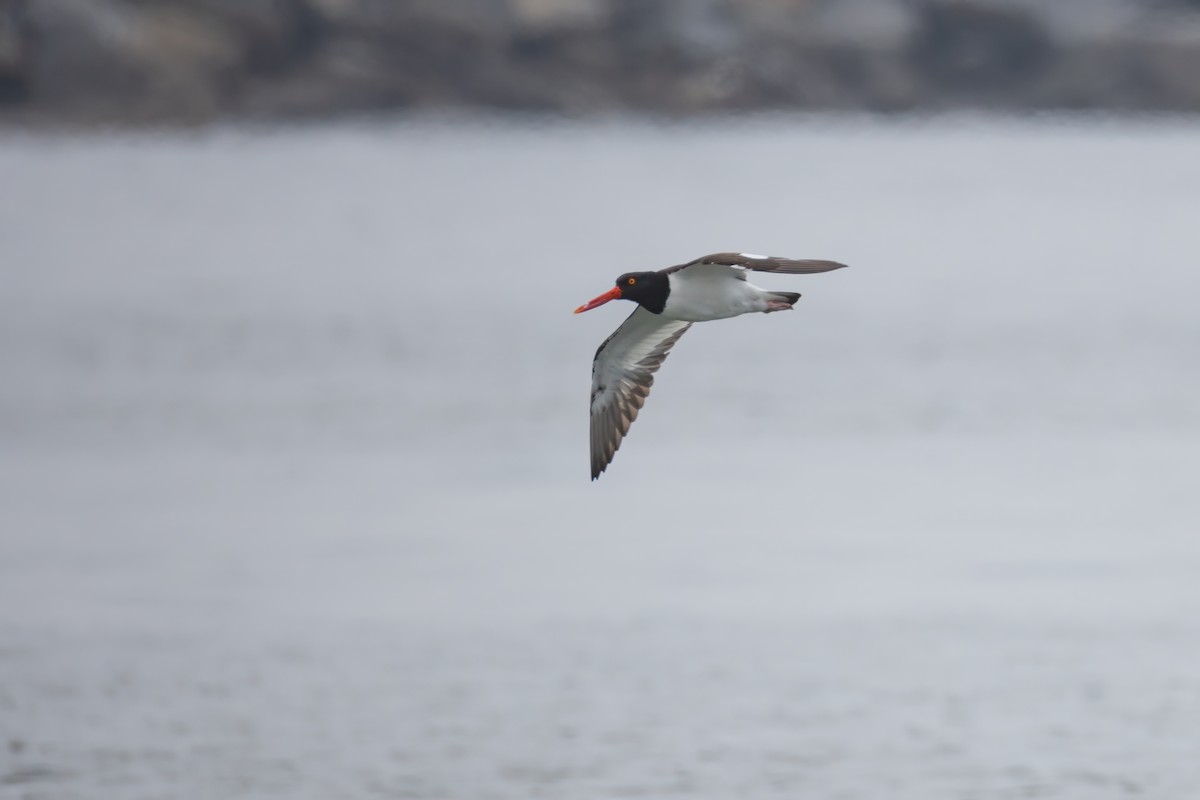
x=293, y=469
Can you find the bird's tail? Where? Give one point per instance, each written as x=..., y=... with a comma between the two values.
x=780, y=301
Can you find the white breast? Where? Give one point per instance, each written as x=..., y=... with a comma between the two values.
x=704, y=292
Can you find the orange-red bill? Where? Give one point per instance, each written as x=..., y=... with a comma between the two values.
x=612, y=294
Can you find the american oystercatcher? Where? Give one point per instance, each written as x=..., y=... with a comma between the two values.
x=669, y=301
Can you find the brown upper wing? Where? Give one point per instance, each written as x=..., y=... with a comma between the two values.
x=783, y=266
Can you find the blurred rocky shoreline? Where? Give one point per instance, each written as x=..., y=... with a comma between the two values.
x=195, y=61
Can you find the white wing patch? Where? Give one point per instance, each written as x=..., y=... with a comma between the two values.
x=754, y=256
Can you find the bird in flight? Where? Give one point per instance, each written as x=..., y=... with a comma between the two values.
x=669, y=301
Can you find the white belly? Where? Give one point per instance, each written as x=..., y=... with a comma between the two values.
x=700, y=297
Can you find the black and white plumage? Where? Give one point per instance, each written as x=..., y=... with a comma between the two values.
x=669, y=301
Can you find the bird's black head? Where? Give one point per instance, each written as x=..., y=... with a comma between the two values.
x=648, y=289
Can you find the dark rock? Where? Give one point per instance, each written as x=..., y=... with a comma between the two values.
x=196, y=60
x=698, y=30
x=14, y=53
x=104, y=60
x=1146, y=77
x=973, y=50
x=272, y=35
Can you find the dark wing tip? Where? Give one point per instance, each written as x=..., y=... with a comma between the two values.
x=819, y=265
x=796, y=266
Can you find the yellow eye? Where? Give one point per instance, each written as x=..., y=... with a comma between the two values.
x=631, y=281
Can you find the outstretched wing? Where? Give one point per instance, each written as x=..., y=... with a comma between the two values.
x=622, y=374
x=744, y=261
